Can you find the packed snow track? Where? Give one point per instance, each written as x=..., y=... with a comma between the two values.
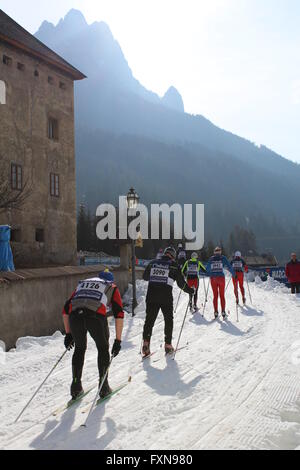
x=235, y=386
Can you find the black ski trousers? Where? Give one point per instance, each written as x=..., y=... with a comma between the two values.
x=295, y=286
x=96, y=325
x=152, y=310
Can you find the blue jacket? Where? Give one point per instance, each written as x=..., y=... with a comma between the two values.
x=216, y=264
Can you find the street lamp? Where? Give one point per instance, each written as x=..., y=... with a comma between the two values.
x=132, y=203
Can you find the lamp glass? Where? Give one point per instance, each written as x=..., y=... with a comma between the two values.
x=132, y=199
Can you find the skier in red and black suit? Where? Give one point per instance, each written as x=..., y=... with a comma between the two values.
x=239, y=266
x=292, y=272
x=86, y=311
x=161, y=275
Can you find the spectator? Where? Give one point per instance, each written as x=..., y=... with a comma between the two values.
x=292, y=272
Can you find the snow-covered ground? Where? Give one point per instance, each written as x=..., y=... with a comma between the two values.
x=236, y=385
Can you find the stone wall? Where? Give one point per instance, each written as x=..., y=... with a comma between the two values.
x=36, y=92
x=31, y=301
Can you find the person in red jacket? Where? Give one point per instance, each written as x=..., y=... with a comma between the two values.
x=292, y=271
x=86, y=311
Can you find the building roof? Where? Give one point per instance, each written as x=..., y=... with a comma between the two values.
x=13, y=34
x=261, y=261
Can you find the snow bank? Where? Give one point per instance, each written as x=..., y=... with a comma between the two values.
x=30, y=342
x=141, y=290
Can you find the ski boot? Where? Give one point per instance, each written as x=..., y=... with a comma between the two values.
x=224, y=315
x=169, y=349
x=146, y=348
x=216, y=315
x=105, y=390
x=244, y=300
x=76, y=389
x=196, y=308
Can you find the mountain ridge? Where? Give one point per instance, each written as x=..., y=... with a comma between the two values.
x=115, y=115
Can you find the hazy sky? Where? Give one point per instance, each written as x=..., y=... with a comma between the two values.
x=237, y=62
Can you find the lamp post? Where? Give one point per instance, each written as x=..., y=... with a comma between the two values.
x=132, y=203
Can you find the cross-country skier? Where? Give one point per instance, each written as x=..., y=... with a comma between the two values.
x=161, y=275
x=239, y=266
x=192, y=269
x=86, y=311
x=181, y=255
x=215, y=269
x=292, y=272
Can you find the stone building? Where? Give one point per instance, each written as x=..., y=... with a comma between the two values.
x=37, y=146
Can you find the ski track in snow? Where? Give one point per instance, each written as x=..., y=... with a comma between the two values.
x=236, y=385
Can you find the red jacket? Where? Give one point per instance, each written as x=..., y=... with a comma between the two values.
x=292, y=271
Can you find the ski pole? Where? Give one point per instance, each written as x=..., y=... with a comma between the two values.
x=228, y=284
x=206, y=295
x=181, y=329
x=178, y=300
x=204, y=286
x=249, y=291
x=84, y=425
x=36, y=392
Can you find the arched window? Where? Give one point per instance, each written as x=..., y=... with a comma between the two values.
x=2, y=92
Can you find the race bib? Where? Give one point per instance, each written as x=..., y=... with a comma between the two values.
x=158, y=274
x=89, y=290
x=217, y=266
x=193, y=269
x=237, y=264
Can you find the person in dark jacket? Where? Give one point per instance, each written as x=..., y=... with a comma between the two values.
x=181, y=255
x=161, y=275
x=292, y=271
x=86, y=311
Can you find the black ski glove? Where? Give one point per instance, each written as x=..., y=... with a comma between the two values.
x=69, y=342
x=116, y=348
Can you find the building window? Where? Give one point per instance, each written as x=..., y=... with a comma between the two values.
x=2, y=92
x=62, y=85
x=7, y=60
x=39, y=235
x=15, y=235
x=21, y=66
x=54, y=185
x=16, y=177
x=53, y=129
x=50, y=80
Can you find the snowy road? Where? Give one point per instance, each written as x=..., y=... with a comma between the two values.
x=236, y=385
